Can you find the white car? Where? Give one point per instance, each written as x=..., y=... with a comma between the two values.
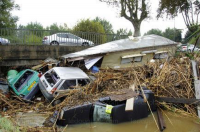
x=191, y=47
x=187, y=47
x=66, y=39
x=61, y=79
x=4, y=41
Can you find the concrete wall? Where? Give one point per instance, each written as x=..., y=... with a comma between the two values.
x=20, y=55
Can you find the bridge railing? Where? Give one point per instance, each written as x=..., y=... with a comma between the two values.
x=39, y=37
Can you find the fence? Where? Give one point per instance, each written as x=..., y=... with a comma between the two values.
x=38, y=37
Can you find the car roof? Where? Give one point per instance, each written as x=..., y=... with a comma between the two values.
x=70, y=73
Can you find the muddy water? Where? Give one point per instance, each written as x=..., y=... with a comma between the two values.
x=178, y=124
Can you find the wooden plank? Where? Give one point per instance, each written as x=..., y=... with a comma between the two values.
x=196, y=84
x=130, y=102
x=178, y=100
x=161, y=121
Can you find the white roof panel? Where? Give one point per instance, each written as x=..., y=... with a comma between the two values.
x=70, y=72
x=123, y=44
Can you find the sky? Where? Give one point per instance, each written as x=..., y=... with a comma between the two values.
x=70, y=12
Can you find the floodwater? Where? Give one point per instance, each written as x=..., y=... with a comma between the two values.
x=178, y=123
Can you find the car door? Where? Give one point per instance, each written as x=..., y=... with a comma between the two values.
x=62, y=38
x=65, y=87
x=73, y=39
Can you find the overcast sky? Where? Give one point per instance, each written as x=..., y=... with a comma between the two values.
x=47, y=12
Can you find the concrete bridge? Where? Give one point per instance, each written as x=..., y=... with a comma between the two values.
x=25, y=55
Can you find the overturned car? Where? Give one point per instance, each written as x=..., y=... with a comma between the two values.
x=24, y=83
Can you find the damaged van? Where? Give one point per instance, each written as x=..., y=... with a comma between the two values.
x=60, y=80
x=24, y=83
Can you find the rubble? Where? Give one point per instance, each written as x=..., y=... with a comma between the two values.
x=170, y=79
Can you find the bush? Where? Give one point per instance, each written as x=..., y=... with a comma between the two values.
x=95, y=31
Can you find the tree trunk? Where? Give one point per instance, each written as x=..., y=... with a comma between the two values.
x=136, y=29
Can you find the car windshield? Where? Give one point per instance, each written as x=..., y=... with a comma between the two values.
x=23, y=80
x=52, y=78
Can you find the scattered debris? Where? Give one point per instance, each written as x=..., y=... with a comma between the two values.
x=172, y=79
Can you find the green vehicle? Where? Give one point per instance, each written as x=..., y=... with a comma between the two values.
x=24, y=83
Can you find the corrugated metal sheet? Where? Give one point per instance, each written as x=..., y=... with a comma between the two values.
x=124, y=44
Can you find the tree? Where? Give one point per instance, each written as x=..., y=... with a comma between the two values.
x=190, y=10
x=133, y=10
x=173, y=34
x=34, y=26
x=6, y=18
x=154, y=31
x=55, y=28
x=94, y=31
x=106, y=25
x=123, y=33
x=35, y=29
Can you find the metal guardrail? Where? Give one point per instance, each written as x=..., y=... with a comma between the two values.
x=71, y=38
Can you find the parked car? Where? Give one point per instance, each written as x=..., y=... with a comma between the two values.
x=187, y=47
x=61, y=79
x=4, y=41
x=66, y=39
x=24, y=83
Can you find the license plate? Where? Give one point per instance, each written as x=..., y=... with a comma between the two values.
x=31, y=86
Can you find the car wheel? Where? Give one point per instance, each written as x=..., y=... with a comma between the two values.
x=54, y=43
x=0, y=43
x=85, y=44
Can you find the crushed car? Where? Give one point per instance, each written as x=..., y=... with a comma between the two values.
x=61, y=79
x=24, y=83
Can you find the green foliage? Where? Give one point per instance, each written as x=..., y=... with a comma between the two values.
x=55, y=28
x=154, y=31
x=106, y=25
x=34, y=26
x=173, y=34
x=7, y=126
x=92, y=28
x=189, y=9
x=192, y=37
x=33, y=39
x=123, y=33
x=6, y=18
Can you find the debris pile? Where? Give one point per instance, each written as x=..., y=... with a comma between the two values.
x=170, y=79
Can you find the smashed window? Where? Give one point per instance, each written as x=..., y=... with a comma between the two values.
x=68, y=84
x=23, y=80
x=83, y=82
x=52, y=78
x=161, y=55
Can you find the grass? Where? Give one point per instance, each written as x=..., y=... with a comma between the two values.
x=7, y=126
